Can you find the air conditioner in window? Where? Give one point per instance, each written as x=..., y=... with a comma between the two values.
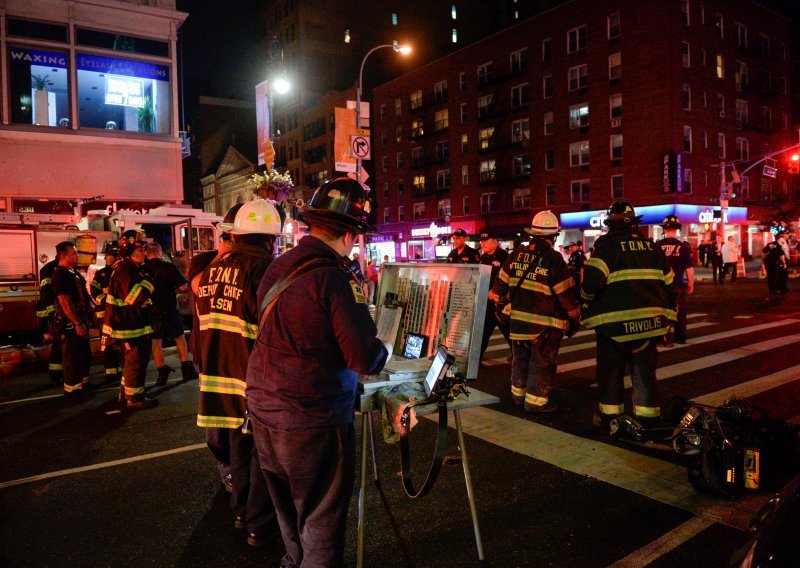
x=616, y=122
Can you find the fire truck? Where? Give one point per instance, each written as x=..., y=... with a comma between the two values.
x=29, y=242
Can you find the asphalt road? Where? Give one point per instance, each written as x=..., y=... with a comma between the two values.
x=83, y=484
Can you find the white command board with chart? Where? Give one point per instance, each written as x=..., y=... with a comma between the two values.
x=440, y=304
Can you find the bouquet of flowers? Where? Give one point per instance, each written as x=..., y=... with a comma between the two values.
x=272, y=185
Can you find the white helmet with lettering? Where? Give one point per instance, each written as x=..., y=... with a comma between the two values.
x=544, y=224
x=255, y=217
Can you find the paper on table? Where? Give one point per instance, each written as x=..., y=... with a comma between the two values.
x=388, y=324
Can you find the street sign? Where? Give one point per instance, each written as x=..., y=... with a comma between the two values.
x=771, y=172
x=359, y=147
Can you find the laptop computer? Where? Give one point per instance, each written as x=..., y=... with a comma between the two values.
x=438, y=369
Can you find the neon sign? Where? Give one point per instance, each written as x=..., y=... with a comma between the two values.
x=124, y=91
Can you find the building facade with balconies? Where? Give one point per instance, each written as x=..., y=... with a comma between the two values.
x=582, y=105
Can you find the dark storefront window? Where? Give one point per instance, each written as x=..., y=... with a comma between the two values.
x=119, y=94
x=37, y=30
x=117, y=42
x=39, y=87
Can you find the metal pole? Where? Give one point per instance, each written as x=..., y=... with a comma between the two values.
x=473, y=509
x=362, y=493
x=723, y=203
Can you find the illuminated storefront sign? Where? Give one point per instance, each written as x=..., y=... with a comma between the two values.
x=654, y=215
x=433, y=231
x=124, y=91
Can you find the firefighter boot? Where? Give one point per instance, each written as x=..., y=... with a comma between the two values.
x=163, y=373
x=188, y=371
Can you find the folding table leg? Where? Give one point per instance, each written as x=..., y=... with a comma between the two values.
x=363, y=490
x=468, y=480
x=372, y=446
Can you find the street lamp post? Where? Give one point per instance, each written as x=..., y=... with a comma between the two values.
x=403, y=50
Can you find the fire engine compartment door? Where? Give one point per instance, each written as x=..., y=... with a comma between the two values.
x=19, y=260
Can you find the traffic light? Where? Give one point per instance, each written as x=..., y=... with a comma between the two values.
x=794, y=163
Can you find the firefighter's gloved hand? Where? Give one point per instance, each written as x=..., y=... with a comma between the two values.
x=389, y=347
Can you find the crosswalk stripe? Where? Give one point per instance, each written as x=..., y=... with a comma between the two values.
x=652, y=477
x=576, y=365
x=678, y=369
x=662, y=545
x=751, y=388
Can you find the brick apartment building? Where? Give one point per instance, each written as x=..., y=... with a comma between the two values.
x=581, y=105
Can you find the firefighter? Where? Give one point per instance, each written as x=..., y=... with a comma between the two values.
x=127, y=318
x=112, y=360
x=227, y=313
x=544, y=306
x=303, y=376
x=45, y=311
x=72, y=320
x=575, y=262
x=628, y=287
x=679, y=256
x=492, y=254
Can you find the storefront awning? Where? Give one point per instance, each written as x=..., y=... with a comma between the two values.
x=654, y=215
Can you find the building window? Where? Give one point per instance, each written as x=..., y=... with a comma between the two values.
x=521, y=165
x=465, y=205
x=384, y=163
x=464, y=143
x=417, y=128
x=419, y=211
x=485, y=104
x=721, y=147
x=484, y=74
x=347, y=35
x=463, y=113
x=578, y=77
x=547, y=49
x=617, y=187
x=416, y=99
x=576, y=39
x=453, y=11
x=417, y=157
x=765, y=118
x=687, y=180
x=383, y=112
x=440, y=91
x=766, y=82
x=442, y=119
x=442, y=150
x=418, y=183
x=520, y=131
x=443, y=208
x=687, y=139
x=721, y=105
x=520, y=96
x=488, y=171
x=39, y=89
x=741, y=35
x=719, y=25
x=398, y=107
x=462, y=81
x=685, y=12
x=549, y=160
x=488, y=202
x=740, y=75
x=486, y=138
x=549, y=126
x=443, y=180
x=615, y=106
x=579, y=191
x=720, y=66
x=394, y=18
x=616, y=146
x=400, y=188
x=383, y=138
x=454, y=35
x=579, y=153
x=401, y=213
x=742, y=149
x=464, y=175
x=745, y=188
x=550, y=194
x=385, y=215
x=687, y=97
x=547, y=86
x=398, y=134
x=579, y=115
x=703, y=56
x=615, y=66
x=386, y=189
x=613, y=25
x=399, y=160
x=686, y=55
x=519, y=60
x=522, y=198
x=741, y=113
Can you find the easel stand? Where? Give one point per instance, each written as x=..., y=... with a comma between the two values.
x=476, y=398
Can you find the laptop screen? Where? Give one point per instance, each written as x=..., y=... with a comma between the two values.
x=437, y=370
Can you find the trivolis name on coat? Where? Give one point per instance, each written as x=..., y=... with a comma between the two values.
x=642, y=325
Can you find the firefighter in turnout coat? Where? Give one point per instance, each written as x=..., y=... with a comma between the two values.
x=227, y=315
x=544, y=306
x=127, y=318
x=45, y=311
x=99, y=290
x=628, y=287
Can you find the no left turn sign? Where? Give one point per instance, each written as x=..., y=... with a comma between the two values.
x=359, y=147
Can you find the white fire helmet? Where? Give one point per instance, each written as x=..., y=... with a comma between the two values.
x=544, y=224
x=255, y=217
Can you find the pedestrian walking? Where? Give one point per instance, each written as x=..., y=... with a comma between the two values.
x=72, y=320
x=167, y=320
x=127, y=319
x=544, y=306
x=702, y=252
x=628, y=286
x=715, y=256
x=112, y=357
x=315, y=338
x=730, y=260
x=227, y=313
x=372, y=282
x=679, y=257
x=493, y=255
x=462, y=253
